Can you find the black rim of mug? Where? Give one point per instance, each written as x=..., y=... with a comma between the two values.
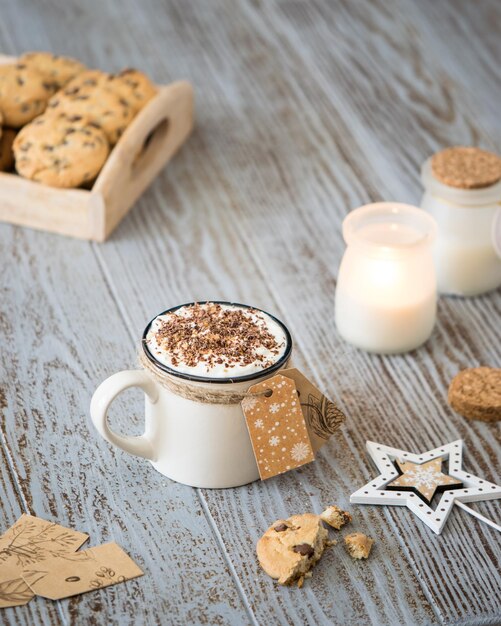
x=204, y=379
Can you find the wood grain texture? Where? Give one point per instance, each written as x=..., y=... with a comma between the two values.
x=48, y=369
x=304, y=111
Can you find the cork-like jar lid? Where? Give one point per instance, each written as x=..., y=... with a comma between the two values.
x=466, y=167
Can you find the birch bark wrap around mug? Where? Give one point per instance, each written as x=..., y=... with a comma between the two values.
x=195, y=431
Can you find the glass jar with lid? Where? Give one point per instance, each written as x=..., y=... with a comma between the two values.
x=462, y=191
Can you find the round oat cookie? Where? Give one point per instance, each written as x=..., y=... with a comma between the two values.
x=104, y=108
x=466, y=167
x=7, y=136
x=476, y=394
x=58, y=69
x=290, y=548
x=60, y=151
x=24, y=94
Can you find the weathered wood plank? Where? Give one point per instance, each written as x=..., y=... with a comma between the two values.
x=228, y=508
x=82, y=492
x=305, y=110
x=435, y=374
x=54, y=351
x=268, y=222
x=12, y=505
x=467, y=43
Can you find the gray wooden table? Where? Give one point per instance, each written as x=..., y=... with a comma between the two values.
x=305, y=109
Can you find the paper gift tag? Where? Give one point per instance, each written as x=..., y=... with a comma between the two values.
x=30, y=541
x=321, y=415
x=276, y=427
x=71, y=574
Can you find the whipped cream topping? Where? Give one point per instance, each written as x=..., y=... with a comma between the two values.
x=216, y=340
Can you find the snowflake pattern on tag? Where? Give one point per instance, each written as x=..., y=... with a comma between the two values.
x=276, y=427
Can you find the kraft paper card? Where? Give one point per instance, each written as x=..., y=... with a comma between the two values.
x=70, y=574
x=277, y=427
x=31, y=541
x=321, y=415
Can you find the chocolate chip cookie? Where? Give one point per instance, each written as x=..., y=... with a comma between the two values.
x=24, y=94
x=290, y=548
x=130, y=84
x=60, y=150
x=57, y=69
x=89, y=78
x=135, y=86
x=103, y=107
x=7, y=136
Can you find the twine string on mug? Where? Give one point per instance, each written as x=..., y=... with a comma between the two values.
x=196, y=393
x=187, y=390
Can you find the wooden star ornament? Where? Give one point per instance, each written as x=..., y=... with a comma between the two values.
x=416, y=480
x=424, y=479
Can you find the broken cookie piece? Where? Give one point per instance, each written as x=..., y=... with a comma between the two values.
x=358, y=545
x=335, y=517
x=290, y=548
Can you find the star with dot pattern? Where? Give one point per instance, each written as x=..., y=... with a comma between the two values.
x=381, y=489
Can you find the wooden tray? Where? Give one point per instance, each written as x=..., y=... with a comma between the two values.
x=148, y=143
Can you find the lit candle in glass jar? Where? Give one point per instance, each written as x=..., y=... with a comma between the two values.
x=386, y=290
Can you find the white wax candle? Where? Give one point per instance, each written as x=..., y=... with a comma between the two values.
x=386, y=291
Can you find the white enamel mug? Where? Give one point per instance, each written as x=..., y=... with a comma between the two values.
x=194, y=443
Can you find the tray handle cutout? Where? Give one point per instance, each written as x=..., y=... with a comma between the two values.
x=149, y=142
x=150, y=145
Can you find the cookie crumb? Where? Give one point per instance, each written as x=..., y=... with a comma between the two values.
x=335, y=517
x=358, y=545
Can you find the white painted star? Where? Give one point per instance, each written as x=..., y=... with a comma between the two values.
x=475, y=488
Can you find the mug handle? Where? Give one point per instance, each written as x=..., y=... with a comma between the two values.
x=104, y=395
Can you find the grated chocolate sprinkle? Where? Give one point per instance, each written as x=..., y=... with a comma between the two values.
x=210, y=334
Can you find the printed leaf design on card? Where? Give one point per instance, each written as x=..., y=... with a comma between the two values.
x=28, y=542
x=38, y=558
x=322, y=415
x=32, y=540
x=91, y=569
x=14, y=592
